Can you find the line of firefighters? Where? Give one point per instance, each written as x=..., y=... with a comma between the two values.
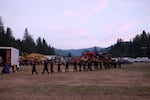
x=79, y=65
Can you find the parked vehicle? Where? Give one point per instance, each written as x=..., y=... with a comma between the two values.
x=9, y=56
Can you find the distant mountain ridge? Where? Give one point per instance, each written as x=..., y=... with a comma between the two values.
x=76, y=52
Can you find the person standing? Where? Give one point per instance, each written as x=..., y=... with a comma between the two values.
x=34, y=67
x=45, y=67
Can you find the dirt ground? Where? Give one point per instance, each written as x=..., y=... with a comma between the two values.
x=131, y=82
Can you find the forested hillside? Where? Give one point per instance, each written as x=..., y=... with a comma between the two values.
x=137, y=47
x=26, y=44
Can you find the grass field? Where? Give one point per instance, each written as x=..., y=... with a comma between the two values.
x=131, y=82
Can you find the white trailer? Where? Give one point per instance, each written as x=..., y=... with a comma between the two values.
x=10, y=56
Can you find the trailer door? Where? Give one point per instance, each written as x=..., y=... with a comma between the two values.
x=3, y=55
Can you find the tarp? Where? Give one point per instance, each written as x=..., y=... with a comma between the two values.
x=36, y=56
x=6, y=69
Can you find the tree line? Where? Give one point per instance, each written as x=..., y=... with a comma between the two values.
x=139, y=46
x=27, y=44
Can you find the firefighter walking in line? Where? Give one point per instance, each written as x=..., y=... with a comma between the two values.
x=52, y=67
x=96, y=65
x=34, y=67
x=84, y=65
x=67, y=67
x=119, y=63
x=89, y=65
x=75, y=66
x=59, y=66
x=80, y=66
x=45, y=67
x=100, y=65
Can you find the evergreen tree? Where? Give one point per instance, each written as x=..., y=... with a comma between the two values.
x=10, y=39
x=52, y=50
x=28, y=44
x=2, y=33
x=45, y=47
x=18, y=45
x=39, y=45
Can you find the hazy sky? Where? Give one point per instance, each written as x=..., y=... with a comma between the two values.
x=72, y=24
